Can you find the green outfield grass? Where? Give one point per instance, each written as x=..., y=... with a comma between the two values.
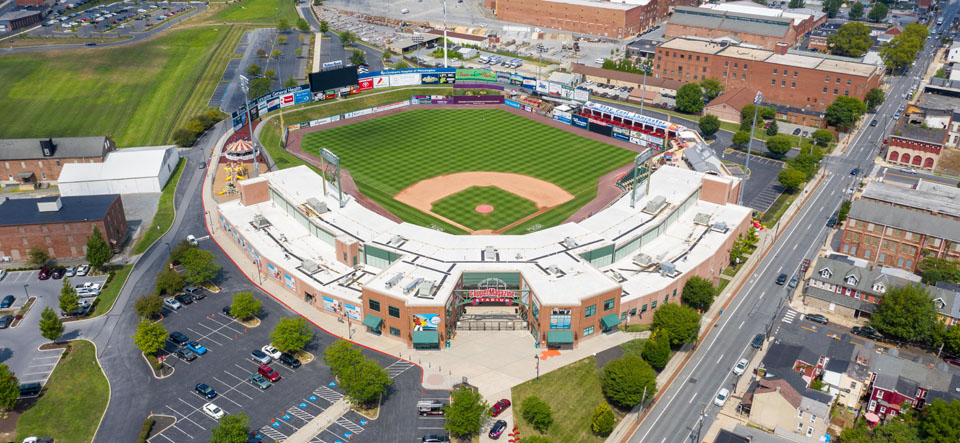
x=261, y=12
x=387, y=154
x=461, y=207
x=136, y=94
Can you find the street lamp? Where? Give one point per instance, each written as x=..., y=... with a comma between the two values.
x=537, y=358
x=746, y=164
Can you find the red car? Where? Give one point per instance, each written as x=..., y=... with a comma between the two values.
x=44, y=274
x=499, y=407
x=952, y=361
x=804, y=265
x=269, y=372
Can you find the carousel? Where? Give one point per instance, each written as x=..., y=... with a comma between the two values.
x=239, y=151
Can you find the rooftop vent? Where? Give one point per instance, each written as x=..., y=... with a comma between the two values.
x=643, y=260
x=49, y=205
x=426, y=288
x=259, y=221
x=396, y=240
x=720, y=226
x=555, y=270
x=47, y=147
x=668, y=269
x=618, y=276
x=569, y=243
x=309, y=266
x=394, y=280
x=655, y=205
x=317, y=206
x=489, y=253
x=702, y=219
x=412, y=287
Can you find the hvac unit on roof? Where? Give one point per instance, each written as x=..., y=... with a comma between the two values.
x=702, y=219
x=260, y=222
x=309, y=266
x=396, y=240
x=553, y=269
x=317, y=206
x=410, y=287
x=655, y=205
x=618, y=276
x=394, y=280
x=426, y=288
x=668, y=269
x=643, y=260
x=489, y=253
x=569, y=243
x=720, y=226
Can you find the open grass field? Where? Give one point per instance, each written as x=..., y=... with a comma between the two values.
x=135, y=94
x=385, y=155
x=572, y=392
x=461, y=207
x=260, y=12
x=73, y=400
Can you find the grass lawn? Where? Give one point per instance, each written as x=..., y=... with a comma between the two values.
x=572, y=392
x=74, y=399
x=136, y=94
x=387, y=154
x=109, y=295
x=260, y=12
x=723, y=284
x=165, y=211
x=461, y=207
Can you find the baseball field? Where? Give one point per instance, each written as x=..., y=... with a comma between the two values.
x=470, y=170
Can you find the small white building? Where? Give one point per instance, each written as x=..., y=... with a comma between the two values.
x=953, y=54
x=125, y=171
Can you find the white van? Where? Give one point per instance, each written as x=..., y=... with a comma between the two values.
x=483, y=59
x=192, y=240
x=404, y=11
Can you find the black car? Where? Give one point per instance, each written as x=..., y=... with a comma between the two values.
x=855, y=171
x=817, y=318
x=873, y=123
x=435, y=438
x=91, y=44
x=226, y=311
x=30, y=389
x=289, y=360
x=58, y=273
x=781, y=279
x=7, y=302
x=184, y=299
x=5, y=321
x=868, y=332
x=204, y=391
x=497, y=429
x=832, y=221
x=178, y=338
x=195, y=292
x=757, y=341
x=796, y=131
x=186, y=354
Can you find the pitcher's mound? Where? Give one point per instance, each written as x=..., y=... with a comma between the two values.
x=484, y=209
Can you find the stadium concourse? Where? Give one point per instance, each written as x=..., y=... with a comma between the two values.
x=562, y=284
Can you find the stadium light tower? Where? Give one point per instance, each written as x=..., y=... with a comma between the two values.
x=444, y=33
x=540, y=51
x=746, y=164
x=245, y=86
x=417, y=39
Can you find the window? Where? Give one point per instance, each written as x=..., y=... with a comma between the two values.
x=588, y=331
x=734, y=75
x=848, y=82
x=705, y=59
x=828, y=79
x=809, y=431
x=608, y=304
x=813, y=419
x=43, y=175
x=394, y=331
x=643, y=309
x=374, y=305
x=879, y=395
x=774, y=71
x=590, y=311
x=835, y=91
x=909, y=264
x=799, y=427
x=58, y=162
x=899, y=262
x=794, y=74
x=866, y=253
x=736, y=65
x=783, y=83
x=674, y=293
x=846, y=93
x=726, y=64
x=653, y=305
x=698, y=58
x=853, y=385
x=881, y=257
x=393, y=311
x=799, y=413
x=838, y=80
x=793, y=85
x=681, y=56
x=744, y=66
x=824, y=89
x=773, y=82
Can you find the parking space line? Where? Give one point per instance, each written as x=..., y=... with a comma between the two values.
x=328, y=394
x=269, y=432
x=233, y=388
x=168, y=438
x=225, y=325
x=215, y=331
x=351, y=426
x=185, y=417
x=321, y=408
x=300, y=413
x=204, y=337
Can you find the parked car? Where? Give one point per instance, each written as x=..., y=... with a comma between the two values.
x=271, y=351
x=44, y=274
x=58, y=273
x=205, y=390
x=793, y=282
x=804, y=265
x=88, y=285
x=195, y=292
x=258, y=380
x=757, y=341
x=289, y=360
x=796, y=131
x=3, y=273
x=185, y=354
x=30, y=389
x=805, y=133
x=184, y=299
x=873, y=123
x=7, y=302
x=269, y=372
x=832, y=221
x=952, y=361
x=435, y=438
x=868, y=332
x=213, y=411
x=70, y=272
x=781, y=279
x=226, y=311
x=499, y=407
x=196, y=347
x=5, y=321
x=82, y=270
x=721, y=398
x=741, y=366
x=855, y=171
x=179, y=338
x=817, y=318
x=171, y=303
x=259, y=357
x=497, y=429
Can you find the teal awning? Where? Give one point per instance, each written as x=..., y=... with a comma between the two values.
x=560, y=337
x=372, y=321
x=426, y=338
x=610, y=320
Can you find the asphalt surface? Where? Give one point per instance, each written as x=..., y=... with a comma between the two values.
x=906, y=177
x=759, y=305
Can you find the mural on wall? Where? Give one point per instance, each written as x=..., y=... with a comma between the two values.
x=560, y=318
x=272, y=271
x=288, y=280
x=425, y=322
x=351, y=311
x=331, y=304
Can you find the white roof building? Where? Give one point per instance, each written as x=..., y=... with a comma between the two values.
x=125, y=171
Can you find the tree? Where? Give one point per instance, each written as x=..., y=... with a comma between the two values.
x=283, y=25
x=282, y=39
x=259, y=86
x=741, y=138
x=199, y=266
x=68, y=299
x=244, y=305
x=951, y=340
x=851, y=40
x=9, y=388
x=832, y=7
x=291, y=334
x=270, y=73
x=276, y=53
x=874, y=98
x=843, y=211
x=772, y=129
x=98, y=252
x=681, y=322
x=908, y=313
x=465, y=413
x=902, y=50
x=856, y=11
x=184, y=138
x=844, y=112
x=822, y=137
x=365, y=382
x=878, y=12
x=233, y=428
x=603, y=420
x=324, y=26
x=179, y=250
x=341, y=355
x=747, y=113
x=195, y=126
x=168, y=282
x=779, y=145
x=934, y=269
x=690, y=98
x=537, y=413
x=656, y=350
x=148, y=306
x=767, y=112
x=254, y=70
x=291, y=82
x=358, y=57
x=796, y=4
x=347, y=37
x=38, y=257
x=150, y=337
x=302, y=25
x=940, y=422
x=626, y=381
x=51, y=328
x=386, y=54
x=401, y=65
x=711, y=87
x=791, y=179
x=739, y=251
x=698, y=293
x=709, y=125
x=262, y=53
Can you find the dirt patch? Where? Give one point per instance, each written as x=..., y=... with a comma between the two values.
x=949, y=162
x=51, y=346
x=8, y=419
x=422, y=194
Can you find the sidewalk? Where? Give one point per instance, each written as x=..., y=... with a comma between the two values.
x=320, y=422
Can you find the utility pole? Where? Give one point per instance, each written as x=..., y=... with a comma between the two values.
x=537, y=358
x=746, y=164
x=703, y=416
x=643, y=90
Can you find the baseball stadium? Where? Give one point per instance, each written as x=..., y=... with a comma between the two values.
x=436, y=214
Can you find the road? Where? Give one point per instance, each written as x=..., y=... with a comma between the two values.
x=755, y=308
x=906, y=177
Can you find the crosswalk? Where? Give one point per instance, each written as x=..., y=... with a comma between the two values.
x=398, y=368
x=271, y=433
x=328, y=394
x=789, y=316
x=349, y=425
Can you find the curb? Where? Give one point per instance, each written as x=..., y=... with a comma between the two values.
x=152, y=370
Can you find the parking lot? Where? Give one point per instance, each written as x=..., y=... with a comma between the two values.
x=112, y=20
x=763, y=188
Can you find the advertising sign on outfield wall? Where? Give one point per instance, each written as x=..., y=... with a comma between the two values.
x=381, y=82
x=477, y=100
x=542, y=86
x=365, y=84
x=512, y=104
x=255, y=111
x=429, y=79
x=286, y=100
x=530, y=83
x=579, y=121
x=404, y=79
x=581, y=95
x=476, y=75
x=561, y=116
x=301, y=97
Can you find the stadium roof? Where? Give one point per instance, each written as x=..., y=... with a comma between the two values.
x=26, y=211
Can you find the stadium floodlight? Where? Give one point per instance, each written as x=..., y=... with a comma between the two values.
x=746, y=164
x=643, y=157
x=540, y=50
x=245, y=86
x=418, y=39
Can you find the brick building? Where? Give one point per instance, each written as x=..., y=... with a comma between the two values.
x=14, y=20
x=785, y=78
x=897, y=227
x=620, y=19
x=759, y=26
x=59, y=225
x=915, y=145
x=27, y=160
x=37, y=3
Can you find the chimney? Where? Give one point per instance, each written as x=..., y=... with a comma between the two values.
x=781, y=48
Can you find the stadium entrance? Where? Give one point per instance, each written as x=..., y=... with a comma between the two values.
x=491, y=302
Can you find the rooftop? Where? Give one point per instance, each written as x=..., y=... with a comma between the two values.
x=928, y=196
x=13, y=15
x=919, y=133
x=629, y=77
x=694, y=45
x=905, y=219
x=620, y=5
x=121, y=164
x=65, y=147
x=715, y=18
x=26, y=211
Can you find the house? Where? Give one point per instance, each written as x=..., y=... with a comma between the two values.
x=13, y=20
x=727, y=106
x=784, y=404
x=916, y=144
x=850, y=288
x=898, y=380
x=953, y=54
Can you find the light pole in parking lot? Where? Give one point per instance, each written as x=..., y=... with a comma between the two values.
x=25, y=293
x=746, y=164
x=417, y=39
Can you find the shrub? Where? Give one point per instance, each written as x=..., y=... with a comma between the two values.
x=145, y=429
x=184, y=138
x=537, y=413
x=603, y=420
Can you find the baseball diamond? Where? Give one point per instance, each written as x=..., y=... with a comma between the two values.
x=462, y=207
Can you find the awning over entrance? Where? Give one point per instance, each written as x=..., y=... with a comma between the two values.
x=610, y=320
x=426, y=338
x=371, y=321
x=560, y=337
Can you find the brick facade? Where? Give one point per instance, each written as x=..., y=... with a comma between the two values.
x=63, y=240
x=914, y=153
x=583, y=17
x=47, y=169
